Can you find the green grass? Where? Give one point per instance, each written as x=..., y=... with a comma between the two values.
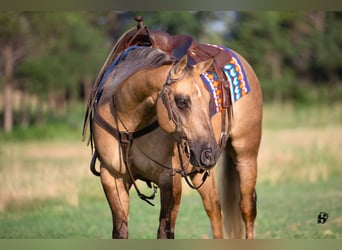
x=291, y=115
x=285, y=211
x=47, y=190
x=92, y=219
x=53, y=126
x=288, y=211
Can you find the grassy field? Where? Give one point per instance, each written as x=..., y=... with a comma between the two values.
x=47, y=191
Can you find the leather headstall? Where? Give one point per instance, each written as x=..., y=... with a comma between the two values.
x=172, y=113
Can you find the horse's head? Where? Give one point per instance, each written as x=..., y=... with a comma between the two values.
x=183, y=110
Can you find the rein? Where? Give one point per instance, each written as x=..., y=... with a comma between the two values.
x=185, y=175
x=183, y=169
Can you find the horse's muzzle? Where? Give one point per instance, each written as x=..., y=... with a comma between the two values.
x=207, y=158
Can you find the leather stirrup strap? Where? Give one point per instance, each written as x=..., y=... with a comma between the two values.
x=126, y=141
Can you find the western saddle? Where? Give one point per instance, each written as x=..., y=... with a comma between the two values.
x=177, y=46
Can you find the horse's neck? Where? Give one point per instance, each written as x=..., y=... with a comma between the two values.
x=135, y=100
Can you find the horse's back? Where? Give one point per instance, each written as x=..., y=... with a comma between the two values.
x=247, y=113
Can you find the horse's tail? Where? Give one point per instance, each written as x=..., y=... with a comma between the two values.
x=229, y=188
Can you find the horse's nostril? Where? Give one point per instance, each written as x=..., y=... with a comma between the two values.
x=207, y=157
x=208, y=154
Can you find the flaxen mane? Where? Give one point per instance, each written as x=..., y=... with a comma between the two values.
x=137, y=59
x=140, y=58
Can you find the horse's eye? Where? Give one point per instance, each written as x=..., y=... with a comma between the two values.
x=182, y=102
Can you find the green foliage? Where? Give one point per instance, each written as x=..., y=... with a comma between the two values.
x=183, y=22
x=66, y=51
x=57, y=55
x=53, y=126
x=13, y=28
x=305, y=45
x=44, y=75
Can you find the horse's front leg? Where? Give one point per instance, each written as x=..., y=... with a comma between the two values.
x=170, y=196
x=117, y=193
x=211, y=201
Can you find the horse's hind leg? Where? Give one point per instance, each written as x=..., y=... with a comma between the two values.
x=248, y=172
x=237, y=187
x=116, y=190
x=170, y=196
x=211, y=202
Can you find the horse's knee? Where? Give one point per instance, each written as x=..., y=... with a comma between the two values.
x=248, y=204
x=211, y=201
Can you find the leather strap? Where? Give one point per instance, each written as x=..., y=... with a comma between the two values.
x=122, y=135
x=126, y=139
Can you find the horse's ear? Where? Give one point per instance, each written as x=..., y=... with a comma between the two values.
x=179, y=66
x=203, y=66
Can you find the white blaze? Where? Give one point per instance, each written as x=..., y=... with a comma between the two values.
x=198, y=90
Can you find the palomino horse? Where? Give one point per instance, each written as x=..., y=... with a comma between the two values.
x=131, y=104
x=148, y=85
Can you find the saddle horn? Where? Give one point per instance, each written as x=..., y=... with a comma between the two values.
x=140, y=20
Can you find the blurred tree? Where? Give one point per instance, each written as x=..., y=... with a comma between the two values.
x=13, y=33
x=66, y=53
x=326, y=59
x=289, y=49
x=175, y=22
x=54, y=55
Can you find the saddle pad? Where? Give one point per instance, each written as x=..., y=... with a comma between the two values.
x=236, y=75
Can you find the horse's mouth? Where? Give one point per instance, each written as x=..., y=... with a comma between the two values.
x=193, y=160
x=203, y=157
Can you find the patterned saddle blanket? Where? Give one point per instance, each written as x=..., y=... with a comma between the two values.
x=235, y=73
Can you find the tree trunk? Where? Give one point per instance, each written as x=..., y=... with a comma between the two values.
x=25, y=109
x=7, y=55
x=8, y=114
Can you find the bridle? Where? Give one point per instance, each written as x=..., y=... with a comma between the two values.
x=171, y=111
x=127, y=137
x=180, y=135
